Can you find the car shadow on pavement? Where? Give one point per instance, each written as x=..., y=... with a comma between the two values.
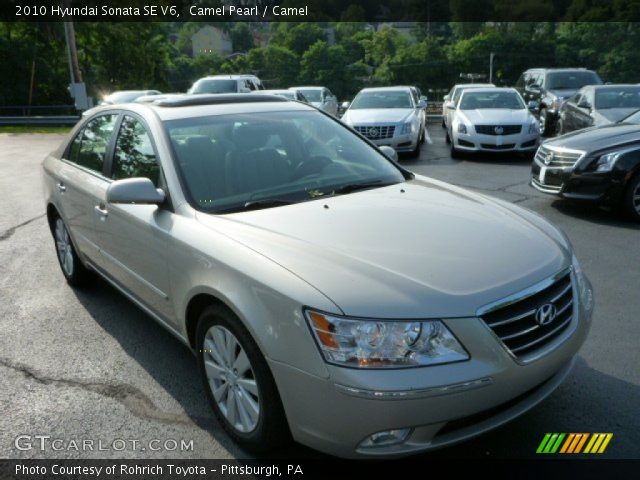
x=497, y=158
x=594, y=213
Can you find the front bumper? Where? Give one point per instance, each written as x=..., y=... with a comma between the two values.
x=476, y=142
x=442, y=404
x=400, y=142
x=566, y=183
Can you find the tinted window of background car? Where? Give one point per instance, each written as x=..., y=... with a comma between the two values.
x=388, y=99
x=89, y=148
x=571, y=80
x=216, y=86
x=623, y=97
x=134, y=155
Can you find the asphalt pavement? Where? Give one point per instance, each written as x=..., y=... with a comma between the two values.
x=88, y=365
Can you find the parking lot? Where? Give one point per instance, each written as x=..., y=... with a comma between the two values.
x=89, y=365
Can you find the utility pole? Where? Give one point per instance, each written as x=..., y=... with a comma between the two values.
x=77, y=88
x=491, y=67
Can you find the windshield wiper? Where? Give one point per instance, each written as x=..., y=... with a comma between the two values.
x=258, y=204
x=352, y=187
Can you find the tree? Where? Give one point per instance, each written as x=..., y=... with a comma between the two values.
x=326, y=65
x=241, y=37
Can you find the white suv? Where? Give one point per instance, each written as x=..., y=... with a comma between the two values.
x=227, y=84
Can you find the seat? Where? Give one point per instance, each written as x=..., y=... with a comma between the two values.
x=253, y=166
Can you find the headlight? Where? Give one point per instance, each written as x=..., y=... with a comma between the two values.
x=406, y=128
x=384, y=343
x=462, y=128
x=584, y=289
x=556, y=103
x=534, y=128
x=605, y=162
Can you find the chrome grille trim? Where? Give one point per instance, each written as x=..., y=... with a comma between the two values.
x=491, y=129
x=512, y=320
x=376, y=132
x=562, y=158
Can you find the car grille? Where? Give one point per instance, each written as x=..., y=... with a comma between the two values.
x=376, y=132
x=555, y=158
x=506, y=146
x=498, y=129
x=518, y=325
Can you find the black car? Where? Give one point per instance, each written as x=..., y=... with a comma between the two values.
x=550, y=87
x=598, y=105
x=600, y=164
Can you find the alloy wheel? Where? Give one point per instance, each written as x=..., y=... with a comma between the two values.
x=543, y=122
x=64, y=248
x=635, y=198
x=231, y=379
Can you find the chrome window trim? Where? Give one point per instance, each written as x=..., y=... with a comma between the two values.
x=413, y=394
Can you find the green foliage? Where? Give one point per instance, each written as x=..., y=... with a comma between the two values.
x=241, y=37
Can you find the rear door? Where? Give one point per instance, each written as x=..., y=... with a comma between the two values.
x=133, y=238
x=81, y=179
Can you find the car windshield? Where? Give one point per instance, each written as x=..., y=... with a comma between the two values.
x=459, y=90
x=472, y=100
x=571, y=80
x=123, y=97
x=312, y=94
x=619, y=97
x=215, y=86
x=382, y=99
x=633, y=118
x=256, y=160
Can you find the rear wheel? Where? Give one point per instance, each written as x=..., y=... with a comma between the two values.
x=72, y=268
x=238, y=382
x=632, y=198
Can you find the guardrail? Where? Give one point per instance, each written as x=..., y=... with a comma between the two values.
x=38, y=115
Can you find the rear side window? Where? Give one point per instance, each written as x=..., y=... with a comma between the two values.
x=89, y=148
x=134, y=155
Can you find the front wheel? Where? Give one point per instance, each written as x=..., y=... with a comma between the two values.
x=72, y=268
x=238, y=382
x=545, y=123
x=632, y=198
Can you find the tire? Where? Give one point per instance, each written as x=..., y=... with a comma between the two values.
x=444, y=125
x=545, y=127
x=76, y=274
x=255, y=429
x=455, y=153
x=447, y=138
x=415, y=153
x=631, y=200
x=423, y=137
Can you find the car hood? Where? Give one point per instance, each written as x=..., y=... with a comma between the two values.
x=611, y=115
x=415, y=250
x=563, y=93
x=496, y=116
x=373, y=116
x=598, y=138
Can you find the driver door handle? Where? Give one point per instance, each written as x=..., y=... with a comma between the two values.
x=102, y=210
x=61, y=187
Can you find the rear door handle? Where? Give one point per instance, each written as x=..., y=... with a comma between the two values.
x=102, y=210
x=61, y=187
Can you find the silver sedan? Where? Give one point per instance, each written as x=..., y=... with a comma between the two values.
x=328, y=294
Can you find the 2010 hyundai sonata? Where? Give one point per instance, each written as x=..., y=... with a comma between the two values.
x=329, y=294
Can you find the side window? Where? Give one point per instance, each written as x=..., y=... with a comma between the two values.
x=250, y=85
x=134, y=155
x=90, y=146
x=520, y=82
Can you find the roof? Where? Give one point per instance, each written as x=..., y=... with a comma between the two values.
x=564, y=69
x=309, y=87
x=475, y=85
x=491, y=89
x=384, y=89
x=228, y=77
x=613, y=85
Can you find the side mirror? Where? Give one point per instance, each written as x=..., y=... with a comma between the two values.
x=135, y=190
x=450, y=105
x=446, y=98
x=533, y=106
x=584, y=104
x=389, y=152
x=345, y=105
x=422, y=103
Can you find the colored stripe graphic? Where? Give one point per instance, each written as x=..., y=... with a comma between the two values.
x=574, y=443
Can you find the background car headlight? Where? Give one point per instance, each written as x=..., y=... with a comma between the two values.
x=407, y=128
x=384, y=343
x=584, y=288
x=462, y=128
x=605, y=162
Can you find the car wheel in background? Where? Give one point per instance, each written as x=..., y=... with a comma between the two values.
x=416, y=151
x=545, y=129
x=632, y=198
x=72, y=268
x=238, y=382
x=444, y=125
x=455, y=153
x=447, y=138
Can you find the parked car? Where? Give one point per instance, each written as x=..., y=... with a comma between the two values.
x=288, y=94
x=388, y=116
x=493, y=120
x=597, y=164
x=550, y=87
x=320, y=97
x=226, y=84
x=450, y=100
x=598, y=105
x=327, y=293
x=126, y=96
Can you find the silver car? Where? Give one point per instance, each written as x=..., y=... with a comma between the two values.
x=450, y=100
x=319, y=97
x=391, y=116
x=328, y=294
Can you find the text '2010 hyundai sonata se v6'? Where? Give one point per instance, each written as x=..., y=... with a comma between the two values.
x=329, y=294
